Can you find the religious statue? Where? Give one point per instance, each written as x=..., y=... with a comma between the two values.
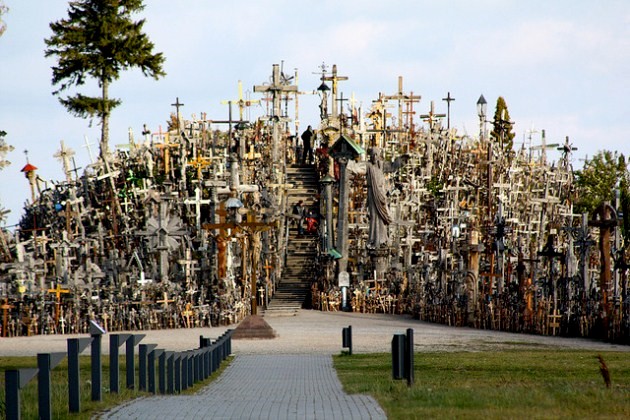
x=377, y=200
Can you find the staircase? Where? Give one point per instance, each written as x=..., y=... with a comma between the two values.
x=299, y=268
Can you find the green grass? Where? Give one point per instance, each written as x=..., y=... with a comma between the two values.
x=59, y=381
x=516, y=384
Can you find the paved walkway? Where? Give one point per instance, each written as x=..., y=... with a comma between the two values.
x=262, y=387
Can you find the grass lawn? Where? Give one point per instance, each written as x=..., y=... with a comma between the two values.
x=527, y=384
x=59, y=381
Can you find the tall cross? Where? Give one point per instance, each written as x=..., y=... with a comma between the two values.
x=177, y=105
x=335, y=79
x=401, y=97
x=241, y=101
x=448, y=100
x=277, y=88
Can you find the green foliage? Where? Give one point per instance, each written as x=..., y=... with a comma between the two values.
x=599, y=178
x=3, y=10
x=502, y=126
x=494, y=384
x=99, y=40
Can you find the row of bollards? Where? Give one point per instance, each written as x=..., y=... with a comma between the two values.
x=402, y=353
x=176, y=371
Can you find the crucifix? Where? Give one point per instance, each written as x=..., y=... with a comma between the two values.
x=605, y=219
x=277, y=89
x=177, y=105
x=58, y=291
x=448, y=100
x=335, y=79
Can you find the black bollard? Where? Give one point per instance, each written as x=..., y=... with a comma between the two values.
x=130, y=358
x=170, y=373
x=398, y=356
x=96, y=332
x=346, y=338
x=14, y=380
x=75, y=347
x=45, y=363
x=115, y=341
x=409, y=374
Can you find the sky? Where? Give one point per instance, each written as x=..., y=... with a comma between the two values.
x=562, y=66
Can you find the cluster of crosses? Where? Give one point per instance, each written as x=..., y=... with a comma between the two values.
x=182, y=227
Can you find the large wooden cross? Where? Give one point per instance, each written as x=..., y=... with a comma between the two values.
x=6, y=307
x=58, y=291
x=606, y=220
x=335, y=79
x=277, y=88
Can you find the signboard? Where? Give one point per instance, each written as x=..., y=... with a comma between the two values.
x=344, y=279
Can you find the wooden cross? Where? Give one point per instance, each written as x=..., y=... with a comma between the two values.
x=448, y=100
x=58, y=291
x=606, y=220
x=277, y=88
x=241, y=101
x=432, y=117
x=335, y=79
x=177, y=105
x=165, y=301
x=64, y=154
x=6, y=307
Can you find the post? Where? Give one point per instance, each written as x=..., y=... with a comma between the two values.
x=43, y=386
x=398, y=356
x=14, y=380
x=170, y=377
x=131, y=343
x=409, y=365
x=162, y=372
x=115, y=341
x=346, y=338
x=96, y=332
x=184, y=371
x=177, y=360
x=75, y=347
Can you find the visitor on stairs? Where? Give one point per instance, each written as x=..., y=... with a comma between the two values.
x=298, y=213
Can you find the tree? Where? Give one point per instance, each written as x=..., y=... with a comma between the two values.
x=502, y=126
x=99, y=39
x=597, y=181
x=3, y=10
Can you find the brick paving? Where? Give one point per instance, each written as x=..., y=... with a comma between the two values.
x=262, y=387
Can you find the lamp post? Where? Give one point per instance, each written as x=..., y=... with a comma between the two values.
x=482, y=107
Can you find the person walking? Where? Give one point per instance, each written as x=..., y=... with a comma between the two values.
x=307, y=145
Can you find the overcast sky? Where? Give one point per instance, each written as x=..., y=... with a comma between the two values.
x=562, y=66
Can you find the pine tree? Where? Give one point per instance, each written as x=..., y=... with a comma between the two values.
x=502, y=126
x=98, y=40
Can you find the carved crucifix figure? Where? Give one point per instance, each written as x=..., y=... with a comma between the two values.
x=605, y=219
